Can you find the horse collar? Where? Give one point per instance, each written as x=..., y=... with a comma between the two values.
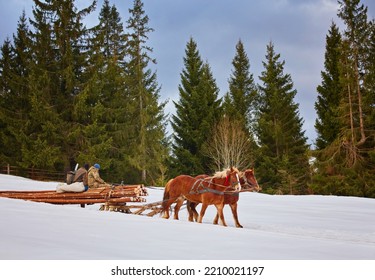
x=226, y=182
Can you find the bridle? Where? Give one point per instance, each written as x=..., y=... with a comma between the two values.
x=247, y=182
x=234, y=184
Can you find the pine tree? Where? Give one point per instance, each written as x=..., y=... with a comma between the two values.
x=369, y=81
x=356, y=35
x=240, y=99
x=197, y=111
x=55, y=78
x=345, y=165
x=329, y=91
x=15, y=106
x=282, y=159
x=369, y=100
x=148, y=131
x=102, y=98
x=22, y=59
x=109, y=33
x=6, y=142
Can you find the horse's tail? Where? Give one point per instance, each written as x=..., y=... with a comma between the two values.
x=166, y=197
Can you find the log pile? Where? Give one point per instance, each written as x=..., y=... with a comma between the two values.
x=113, y=196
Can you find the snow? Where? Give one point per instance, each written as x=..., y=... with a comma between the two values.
x=275, y=228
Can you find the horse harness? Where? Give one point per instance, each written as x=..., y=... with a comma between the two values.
x=199, y=188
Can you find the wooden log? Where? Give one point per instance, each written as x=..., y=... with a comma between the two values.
x=21, y=192
x=72, y=195
x=127, y=199
x=89, y=201
x=115, y=195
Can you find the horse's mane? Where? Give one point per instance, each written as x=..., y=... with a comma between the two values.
x=223, y=173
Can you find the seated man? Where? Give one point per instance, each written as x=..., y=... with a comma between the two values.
x=82, y=176
x=79, y=182
x=94, y=179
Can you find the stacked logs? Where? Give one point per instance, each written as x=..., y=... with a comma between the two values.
x=114, y=195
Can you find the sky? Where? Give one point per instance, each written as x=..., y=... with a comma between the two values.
x=297, y=28
x=326, y=230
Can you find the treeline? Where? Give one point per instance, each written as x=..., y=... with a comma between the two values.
x=70, y=94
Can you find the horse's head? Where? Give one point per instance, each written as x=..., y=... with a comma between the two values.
x=233, y=179
x=248, y=181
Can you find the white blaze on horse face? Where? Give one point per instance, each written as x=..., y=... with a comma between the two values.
x=257, y=187
x=238, y=187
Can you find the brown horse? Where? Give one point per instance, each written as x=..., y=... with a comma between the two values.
x=248, y=183
x=203, y=191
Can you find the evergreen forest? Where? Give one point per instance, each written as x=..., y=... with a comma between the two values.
x=72, y=94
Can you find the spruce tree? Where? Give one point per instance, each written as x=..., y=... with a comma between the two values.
x=109, y=33
x=329, y=91
x=56, y=74
x=240, y=99
x=356, y=38
x=15, y=108
x=282, y=158
x=102, y=97
x=209, y=114
x=6, y=140
x=146, y=112
x=197, y=111
x=369, y=81
x=345, y=166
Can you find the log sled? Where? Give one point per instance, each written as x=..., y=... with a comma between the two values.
x=113, y=198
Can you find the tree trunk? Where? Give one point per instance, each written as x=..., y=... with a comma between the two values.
x=361, y=123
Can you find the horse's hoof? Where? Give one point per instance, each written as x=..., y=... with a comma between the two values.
x=239, y=226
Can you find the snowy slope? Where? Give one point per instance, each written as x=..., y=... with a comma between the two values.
x=275, y=228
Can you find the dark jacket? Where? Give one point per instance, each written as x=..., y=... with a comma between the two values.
x=81, y=176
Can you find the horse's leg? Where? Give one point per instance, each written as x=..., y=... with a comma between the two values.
x=203, y=210
x=166, y=212
x=167, y=208
x=193, y=214
x=220, y=212
x=233, y=206
x=216, y=219
x=190, y=207
x=179, y=203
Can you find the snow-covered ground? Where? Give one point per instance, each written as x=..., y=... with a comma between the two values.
x=275, y=228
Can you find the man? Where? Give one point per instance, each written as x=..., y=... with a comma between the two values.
x=94, y=179
x=82, y=176
x=79, y=183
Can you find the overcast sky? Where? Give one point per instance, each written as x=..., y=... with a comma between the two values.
x=296, y=27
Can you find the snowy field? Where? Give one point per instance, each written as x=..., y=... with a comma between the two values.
x=275, y=228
